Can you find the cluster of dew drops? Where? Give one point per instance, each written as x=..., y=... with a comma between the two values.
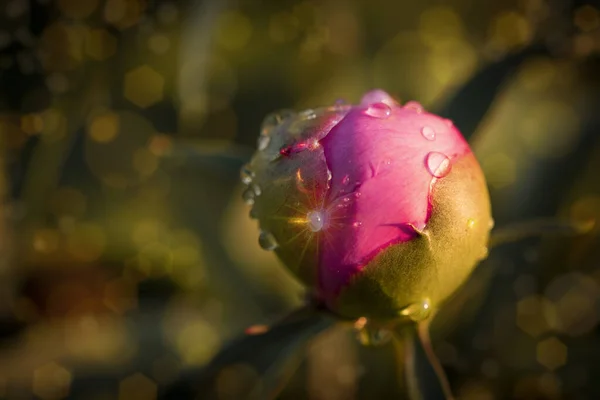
x=436, y=163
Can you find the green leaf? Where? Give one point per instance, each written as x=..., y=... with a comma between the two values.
x=255, y=366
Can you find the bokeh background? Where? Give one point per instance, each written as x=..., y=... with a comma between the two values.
x=126, y=252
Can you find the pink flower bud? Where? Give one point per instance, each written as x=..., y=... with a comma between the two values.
x=377, y=206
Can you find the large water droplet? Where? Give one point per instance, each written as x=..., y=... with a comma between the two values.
x=246, y=174
x=263, y=142
x=428, y=132
x=415, y=106
x=418, y=311
x=379, y=110
x=248, y=195
x=267, y=241
x=438, y=164
x=316, y=220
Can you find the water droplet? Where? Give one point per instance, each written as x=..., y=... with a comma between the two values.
x=316, y=220
x=418, y=311
x=415, y=106
x=346, y=180
x=248, y=195
x=438, y=164
x=491, y=223
x=308, y=114
x=470, y=223
x=272, y=120
x=267, y=241
x=356, y=224
x=256, y=189
x=246, y=174
x=263, y=142
x=328, y=175
x=448, y=122
x=428, y=132
x=379, y=110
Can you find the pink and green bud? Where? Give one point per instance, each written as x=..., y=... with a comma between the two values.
x=378, y=207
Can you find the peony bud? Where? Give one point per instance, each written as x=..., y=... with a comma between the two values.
x=382, y=209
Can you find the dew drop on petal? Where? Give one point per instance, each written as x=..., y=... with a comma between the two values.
x=315, y=220
x=308, y=114
x=246, y=174
x=346, y=180
x=449, y=122
x=379, y=110
x=273, y=120
x=470, y=223
x=248, y=195
x=256, y=189
x=267, y=241
x=415, y=106
x=418, y=311
x=263, y=142
x=428, y=132
x=356, y=224
x=438, y=164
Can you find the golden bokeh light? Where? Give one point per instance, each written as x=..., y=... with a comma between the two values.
x=51, y=382
x=510, y=30
x=144, y=86
x=532, y=312
x=104, y=128
x=100, y=44
x=587, y=18
x=137, y=387
x=234, y=30
x=77, y=9
x=552, y=353
x=86, y=243
x=124, y=14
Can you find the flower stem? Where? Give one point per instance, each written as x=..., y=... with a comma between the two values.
x=424, y=376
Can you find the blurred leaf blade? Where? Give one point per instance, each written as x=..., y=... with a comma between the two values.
x=469, y=105
x=258, y=364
